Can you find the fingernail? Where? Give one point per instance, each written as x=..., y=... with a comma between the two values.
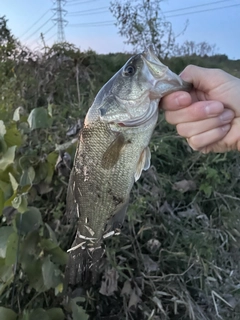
x=227, y=115
x=226, y=127
x=213, y=108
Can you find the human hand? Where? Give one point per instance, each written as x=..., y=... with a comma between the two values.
x=209, y=117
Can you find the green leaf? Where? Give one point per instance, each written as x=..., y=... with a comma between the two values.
x=39, y=314
x=2, y=129
x=39, y=118
x=206, y=188
x=50, y=172
x=27, y=177
x=7, y=158
x=77, y=311
x=51, y=274
x=2, y=200
x=33, y=270
x=51, y=233
x=31, y=220
x=3, y=146
x=7, y=314
x=6, y=189
x=28, y=161
x=57, y=254
x=6, y=273
x=13, y=136
x=41, y=172
x=13, y=182
x=5, y=233
x=52, y=158
x=55, y=314
x=20, y=202
x=11, y=251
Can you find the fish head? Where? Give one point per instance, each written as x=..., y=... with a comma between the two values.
x=131, y=97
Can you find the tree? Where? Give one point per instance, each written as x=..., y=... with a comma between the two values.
x=189, y=48
x=7, y=41
x=142, y=23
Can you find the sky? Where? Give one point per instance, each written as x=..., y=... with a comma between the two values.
x=90, y=24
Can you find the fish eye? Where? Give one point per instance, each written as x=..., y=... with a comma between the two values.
x=129, y=70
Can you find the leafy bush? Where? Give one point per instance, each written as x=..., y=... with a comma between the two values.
x=178, y=254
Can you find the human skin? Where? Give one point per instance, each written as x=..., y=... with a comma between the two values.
x=208, y=116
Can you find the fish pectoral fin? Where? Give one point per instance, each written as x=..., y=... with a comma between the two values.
x=112, y=154
x=143, y=163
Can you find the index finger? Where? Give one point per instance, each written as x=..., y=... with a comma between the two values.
x=175, y=101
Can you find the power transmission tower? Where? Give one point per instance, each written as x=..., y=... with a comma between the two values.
x=61, y=22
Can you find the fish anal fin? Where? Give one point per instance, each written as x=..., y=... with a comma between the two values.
x=143, y=163
x=112, y=154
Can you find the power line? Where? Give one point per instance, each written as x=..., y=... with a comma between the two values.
x=48, y=30
x=88, y=11
x=200, y=5
x=51, y=37
x=91, y=25
x=81, y=2
x=32, y=34
x=107, y=23
x=180, y=9
x=42, y=16
x=97, y=23
x=43, y=34
x=183, y=14
x=88, y=14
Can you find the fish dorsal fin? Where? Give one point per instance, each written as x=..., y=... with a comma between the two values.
x=112, y=154
x=143, y=163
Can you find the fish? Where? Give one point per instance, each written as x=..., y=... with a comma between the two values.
x=112, y=152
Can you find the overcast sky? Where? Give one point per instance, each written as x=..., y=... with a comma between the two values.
x=91, y=25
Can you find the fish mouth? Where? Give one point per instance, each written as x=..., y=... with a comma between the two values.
x=163, y=75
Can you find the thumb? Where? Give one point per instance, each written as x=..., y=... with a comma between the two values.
x=203, y=79
x=214, y=84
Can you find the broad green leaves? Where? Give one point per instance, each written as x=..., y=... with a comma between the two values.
x=29, y=221
x=7, y=158
x=39, y=118
x=2, y=129
x=41, y=314
x=77, y=311
x=7, y=314
x=13, y=136
x=5, y=233
x=8, y=244
x=51, y=274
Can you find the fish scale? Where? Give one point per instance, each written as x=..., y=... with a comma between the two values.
x=99, y=192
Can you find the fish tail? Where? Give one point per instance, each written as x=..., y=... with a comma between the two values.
x=84, y=264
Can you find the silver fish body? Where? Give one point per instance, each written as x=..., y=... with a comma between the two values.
x=111, y=154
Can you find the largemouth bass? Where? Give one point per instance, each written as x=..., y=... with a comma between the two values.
x=111, y=154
